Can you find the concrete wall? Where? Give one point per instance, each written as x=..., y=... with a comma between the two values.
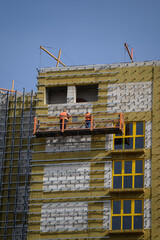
x=72, y=109
x=109, y=142
x=147, y=173
x=147, y=213
x=71, y=94
x=108, y=175
x=64, y=216
x=69, y=143
x=107, y=214
x=130, y=97
x=148, y=135
x=66, y=177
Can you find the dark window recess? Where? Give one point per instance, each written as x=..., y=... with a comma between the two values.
x=118, y=143
x=87, y=93
x=129, y=129
x=56, y=95
x=118, y=134
x=128, y=143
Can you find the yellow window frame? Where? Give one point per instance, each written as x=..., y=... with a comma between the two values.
x=130, y=136
x=127, y=174
x=132, y=214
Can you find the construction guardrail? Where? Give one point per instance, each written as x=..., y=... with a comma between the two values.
x=111, y=126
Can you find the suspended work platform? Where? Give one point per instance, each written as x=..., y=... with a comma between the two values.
x=112, y=126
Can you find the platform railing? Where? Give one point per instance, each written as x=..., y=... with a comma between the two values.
x=117, y=122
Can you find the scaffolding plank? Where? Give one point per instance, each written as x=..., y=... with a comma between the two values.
x=80, y=131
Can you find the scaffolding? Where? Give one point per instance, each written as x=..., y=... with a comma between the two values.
x=17, y=170
x=15, y=164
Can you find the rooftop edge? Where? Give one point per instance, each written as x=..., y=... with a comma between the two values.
x=98, y=67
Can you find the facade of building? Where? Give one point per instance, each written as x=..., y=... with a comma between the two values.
x=82, y=183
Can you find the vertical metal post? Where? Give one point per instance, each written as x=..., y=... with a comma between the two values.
x=91, y=128
x=35, y=125
x=63, y=124
x=4, y=143
x=121, y=122
x=18, y=168
x=10, y=168
x=24, y=219
x=12, y=86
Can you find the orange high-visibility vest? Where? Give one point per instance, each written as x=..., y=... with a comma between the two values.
x=63, y=115
x=88, y=116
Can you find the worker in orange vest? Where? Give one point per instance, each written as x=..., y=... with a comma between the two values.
x=64, y=115
x=87, y=120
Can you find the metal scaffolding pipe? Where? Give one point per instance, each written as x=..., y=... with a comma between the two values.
x=70, y=150
x=73, y=229
x=4, y=142
x=41, y=213
x=64, y=189
x=52, y=143
x=64, y=198
x=18, y=169
x=68, y=159
x=42, y=173
x=62, y=180
x=10, y=167
x=27, y=170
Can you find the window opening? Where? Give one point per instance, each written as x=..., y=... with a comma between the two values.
x=133, y=137
x=56, y=95
x=87, y=93
x=128, y=174
x=128, y=214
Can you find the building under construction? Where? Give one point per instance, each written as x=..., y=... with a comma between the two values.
x=82, y=183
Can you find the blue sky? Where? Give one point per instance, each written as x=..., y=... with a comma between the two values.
x=87, y=31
